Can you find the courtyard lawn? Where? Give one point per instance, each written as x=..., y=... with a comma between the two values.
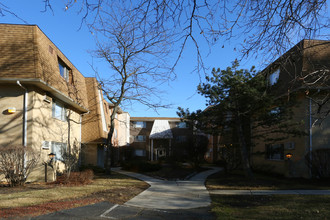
x=237, y=181
x=36, y=199
x=271, y=207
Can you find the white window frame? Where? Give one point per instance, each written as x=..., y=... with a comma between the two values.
x=59, y=111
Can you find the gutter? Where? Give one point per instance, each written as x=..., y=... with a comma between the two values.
x=80, y=135
x=25, y=103
x=48, y=88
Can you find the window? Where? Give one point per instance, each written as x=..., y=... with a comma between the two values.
x=58, y=148
x=275, y=111
x=273, y=77
x=115, y=134
x=58, y=111
x=181, y=139
x=140, y=138
x=64, y=70
x=275, y=151
x=46, y=145
x=140, y=153
x=181, y=125
x=289, y=146
x=139, y=124
x=276, y=115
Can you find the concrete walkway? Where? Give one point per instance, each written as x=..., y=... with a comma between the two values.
x=163, y=194
x=270, y=192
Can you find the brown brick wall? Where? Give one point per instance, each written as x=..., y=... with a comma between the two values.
x=26, y=54
x=92, y=125
x=48, y=70
x=316, y=55
x=17, y=49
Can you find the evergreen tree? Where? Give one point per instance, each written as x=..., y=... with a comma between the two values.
x=238, y=101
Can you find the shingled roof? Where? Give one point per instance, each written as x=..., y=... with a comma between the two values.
x=161, y=130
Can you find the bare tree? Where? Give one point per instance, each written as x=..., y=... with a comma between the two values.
x=17, y=162
x=136, y=55
x=261, y=26
x=264, y=26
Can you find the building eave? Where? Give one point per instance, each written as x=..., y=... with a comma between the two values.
x=48, y=88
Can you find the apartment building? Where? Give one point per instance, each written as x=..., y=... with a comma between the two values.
x=46, y=103
x=154, y=138
x=303, y=73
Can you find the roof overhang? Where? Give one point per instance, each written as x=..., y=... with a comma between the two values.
x=48, y=88
x=161, y=130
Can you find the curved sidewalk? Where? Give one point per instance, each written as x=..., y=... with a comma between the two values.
x=163, y=194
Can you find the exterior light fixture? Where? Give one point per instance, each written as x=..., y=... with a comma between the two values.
x=51, y=156
x=11, y=110
x=49, y=163
x=288, y=156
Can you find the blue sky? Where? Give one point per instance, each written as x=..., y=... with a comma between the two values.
x=63, y=29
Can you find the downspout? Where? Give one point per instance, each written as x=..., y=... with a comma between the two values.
x=25, y=103
x=80, y=136
x=80, y=122
x=310, y=137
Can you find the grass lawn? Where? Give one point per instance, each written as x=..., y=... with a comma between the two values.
x=115, y=188
x=237, y=180
x=267, y=206
x=271, y=207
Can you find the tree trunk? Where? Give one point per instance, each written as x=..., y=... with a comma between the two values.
x=107, y=161
x=243, y=147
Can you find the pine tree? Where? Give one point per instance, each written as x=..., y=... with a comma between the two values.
x=239, y=99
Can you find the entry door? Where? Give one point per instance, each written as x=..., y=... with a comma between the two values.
x=100, y=155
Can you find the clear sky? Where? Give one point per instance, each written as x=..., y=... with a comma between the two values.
x=63, y=29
